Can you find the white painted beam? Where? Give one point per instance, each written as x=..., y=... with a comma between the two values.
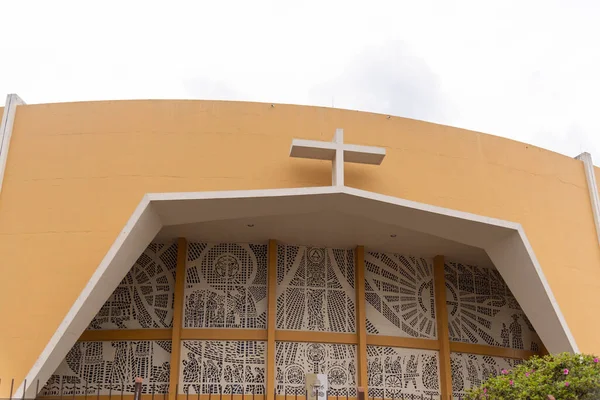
x=6, y=128
x=590, y=177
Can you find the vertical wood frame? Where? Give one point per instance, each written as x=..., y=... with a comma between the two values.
x=271, y=318
x=177, y=317
x=441, y=316
x=361, y=319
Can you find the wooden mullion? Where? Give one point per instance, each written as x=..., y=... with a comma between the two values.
x=271, y=318
x=441, y=316
x=361, y=320
x=177, y=317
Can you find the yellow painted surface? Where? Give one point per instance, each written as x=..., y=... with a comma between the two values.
x=76, y=172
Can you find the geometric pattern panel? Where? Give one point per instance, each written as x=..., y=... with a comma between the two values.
x=144, y=298
x=470, y=370
x=315, y=289
x=482, y=310
x=399, y=295
x=398, y=373
x=228, y=367
x=226, y=286
x=294, y=360
x=111, y=367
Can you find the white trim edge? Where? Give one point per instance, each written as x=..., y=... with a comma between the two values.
x=590, y=177
x=6, y=128
x=544, y=281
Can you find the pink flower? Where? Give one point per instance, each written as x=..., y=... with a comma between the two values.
x=596, y=360
x=504, y=372
x=484, y=390
x=527, y=374
x=566, y=383
x=511, y=382
x=566, y=371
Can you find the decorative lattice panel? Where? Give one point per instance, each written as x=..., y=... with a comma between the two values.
x=228, y=367
x=112, y=367
x=399, y=294
x=315, y=289
x=482, y=310
x=144, y=298
x=470, y=370
x=226, y=286
x=403, y=373
x=294, y=360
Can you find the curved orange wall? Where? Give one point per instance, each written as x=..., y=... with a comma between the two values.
x=76, y=172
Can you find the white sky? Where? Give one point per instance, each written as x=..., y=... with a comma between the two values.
x=527, y=70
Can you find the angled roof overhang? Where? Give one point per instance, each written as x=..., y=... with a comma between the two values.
x=505, y=243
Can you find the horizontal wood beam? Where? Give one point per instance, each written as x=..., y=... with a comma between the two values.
x=406, y=342
x=223, y=334
x=315, y=337
x=301, y=336
x=484, y=350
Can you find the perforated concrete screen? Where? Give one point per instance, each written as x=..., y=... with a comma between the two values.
x=226, y=290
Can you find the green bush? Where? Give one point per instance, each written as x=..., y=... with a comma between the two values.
x=564, y=376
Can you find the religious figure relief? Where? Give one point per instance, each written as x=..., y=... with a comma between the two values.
x=315, y=289
x=226, y=286
x=516, y=332
x=396, y=372
x=231, y=367
x=505, y=335
x=482, y=310
x=316, y=303
x=473, y=373
x=227, y=267
x=375, y=373
x=191, y=368
x=470, y=370
x=411, y=373
x=295, y=360
x=145, y=296
x=102, y=367
x=399, y=295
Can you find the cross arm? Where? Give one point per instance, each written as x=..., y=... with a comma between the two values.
x=312, y=149
x=363, y=154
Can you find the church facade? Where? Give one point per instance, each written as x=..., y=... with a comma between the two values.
x=223, y=248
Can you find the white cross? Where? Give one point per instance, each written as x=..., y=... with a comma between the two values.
x=337, y=152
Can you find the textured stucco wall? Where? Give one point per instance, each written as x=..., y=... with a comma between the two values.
x=76, y=171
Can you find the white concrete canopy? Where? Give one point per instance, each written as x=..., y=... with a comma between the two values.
x=504, y=242
x=330, y=229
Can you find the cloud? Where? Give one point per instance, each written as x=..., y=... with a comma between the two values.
x=389, y=79
x=571, y=141
x=208, y=89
